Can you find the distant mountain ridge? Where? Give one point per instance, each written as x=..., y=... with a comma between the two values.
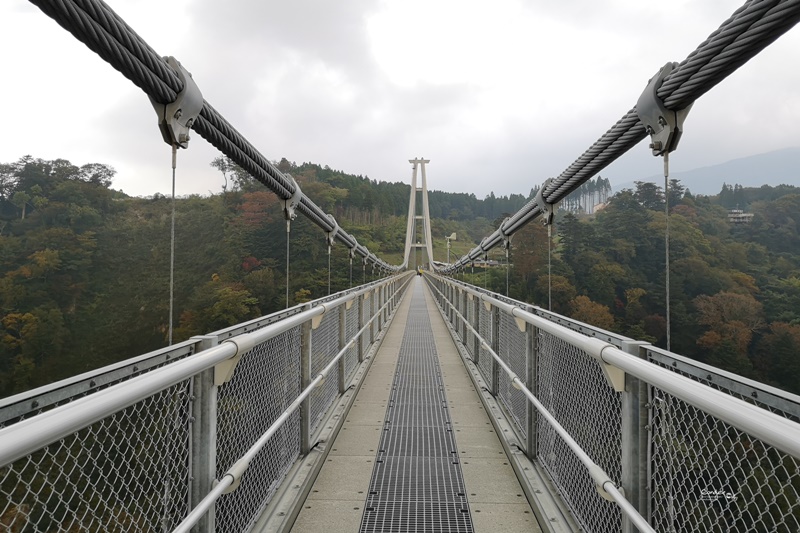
x=771, y=168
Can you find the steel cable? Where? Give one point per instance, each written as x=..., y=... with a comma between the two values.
x=744, y=34
x=133, y=64
x=749, y=30
x=104, y=32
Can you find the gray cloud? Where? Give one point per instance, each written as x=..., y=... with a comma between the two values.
x=302, y=80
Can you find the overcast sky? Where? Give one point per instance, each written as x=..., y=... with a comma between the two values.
x=499, y=94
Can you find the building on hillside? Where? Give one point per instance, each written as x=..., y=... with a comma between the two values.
x=738, y=216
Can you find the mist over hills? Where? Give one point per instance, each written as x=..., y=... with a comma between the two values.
x=771, y=168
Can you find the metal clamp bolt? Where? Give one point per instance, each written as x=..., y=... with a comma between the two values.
x=176, y=119
x=290, y=204
x=665, y=126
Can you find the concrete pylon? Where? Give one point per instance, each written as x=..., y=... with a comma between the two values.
x=414, y=241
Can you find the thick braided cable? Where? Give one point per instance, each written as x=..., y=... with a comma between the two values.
x=749, y=30
x=140, y=63
x=104, y=32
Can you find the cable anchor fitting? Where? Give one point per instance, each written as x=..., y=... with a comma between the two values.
x=665, y=126
x=176, y=119
x=548, y=210
x=331, y=235
x=290, y=204
x=506, y=236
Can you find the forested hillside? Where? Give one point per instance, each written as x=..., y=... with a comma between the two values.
x=84, y=269
x=735, y=288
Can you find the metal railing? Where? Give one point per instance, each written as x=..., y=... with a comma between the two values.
x=139, y=445
x=687, y=447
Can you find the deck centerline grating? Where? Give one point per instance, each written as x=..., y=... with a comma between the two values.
x=417, y=483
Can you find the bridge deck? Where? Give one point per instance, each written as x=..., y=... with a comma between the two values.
x=342, y=491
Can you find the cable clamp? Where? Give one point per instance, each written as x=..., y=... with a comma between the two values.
x=176, y=119
x=332, y=233
x=290, y=204
x=664, y=126
x=506, y=236
x=548, y=210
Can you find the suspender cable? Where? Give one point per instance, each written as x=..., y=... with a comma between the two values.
x=172, y=246
x=288, y=230
x=549, y=268
x=666, y=241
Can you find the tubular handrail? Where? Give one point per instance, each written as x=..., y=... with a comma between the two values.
x=605, y=485
x=22, y=438
x=230, y=480
x=769, y=427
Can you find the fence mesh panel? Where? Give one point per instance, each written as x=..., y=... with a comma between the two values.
x=127, y=472
x=573, y=389
x=513, y=352
x=351, y=328
x=324, y=347
x=707, y=476
x=366, y=305
x=99, y=380
x=471, y=318
x=266, y=380
x=485, y=330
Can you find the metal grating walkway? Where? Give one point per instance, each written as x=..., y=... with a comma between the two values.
x=417, y=484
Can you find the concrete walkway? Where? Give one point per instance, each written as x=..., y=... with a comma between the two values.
x=336, y=501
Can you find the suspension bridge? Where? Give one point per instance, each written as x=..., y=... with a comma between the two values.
x=414, y=402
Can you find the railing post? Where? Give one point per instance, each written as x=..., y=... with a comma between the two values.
x=342, y=332
x=465, y=313
x=634, y=439
x=451, y=312
x=476, y=343
x=532, y=381
x=203, y=455
x=381, y=295
x=495, y=329
x=373, y=298
x=360, y=313
x=305, y=379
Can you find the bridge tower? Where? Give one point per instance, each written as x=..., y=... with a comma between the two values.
x=418, y=237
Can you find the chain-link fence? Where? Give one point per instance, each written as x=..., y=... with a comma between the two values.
x=14, y=409
x=127, y=472
x=512, y=349
x=266, y=380
x=137, y=468
x=324, y=347
x=351, y=328
x=572, y=388
x=485, y=331
x=708, y=476
x=702, y=474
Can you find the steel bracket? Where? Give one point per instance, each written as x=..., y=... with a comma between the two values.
x=332, y=233
x=317, y=320
x=290, y=205
x=548, y=210
x=176, y=118
x=506, y=236
x=615, y=376
x=223, y=372
x=665, y=126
